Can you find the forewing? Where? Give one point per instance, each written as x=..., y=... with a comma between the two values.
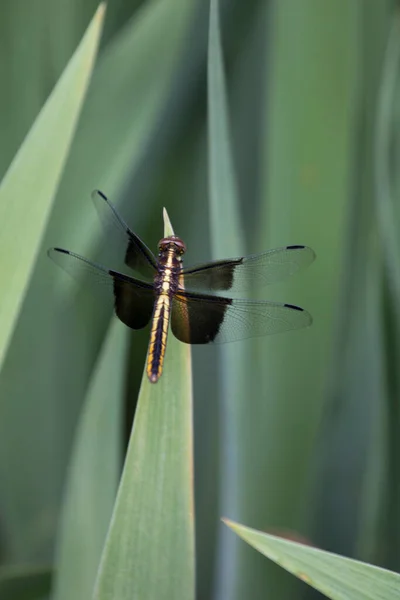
x=241, y=274
x=200, y=319
x=133, y=300
x=122, y=241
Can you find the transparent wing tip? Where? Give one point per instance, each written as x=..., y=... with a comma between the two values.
x=309, y=251
x=97, y=193
x=53, y=252
x=306, y=319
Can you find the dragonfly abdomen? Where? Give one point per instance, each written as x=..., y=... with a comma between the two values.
x=165, y=284
x=158, y=337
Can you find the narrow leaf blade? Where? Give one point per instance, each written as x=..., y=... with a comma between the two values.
x=226, y=240
x=30, y=184
x=337, y=577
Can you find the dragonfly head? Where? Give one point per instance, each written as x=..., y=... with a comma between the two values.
x=173, y=241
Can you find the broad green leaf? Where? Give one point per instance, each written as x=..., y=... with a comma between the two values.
x=149, y=551
x=94, y=473
x=25, y=583
x=29, y=186
x=337, y=577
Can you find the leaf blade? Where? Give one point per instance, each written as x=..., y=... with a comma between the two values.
x=337, y=577
x=37, y=167
x=226, y=240
x=149, y=551
x=94, y=473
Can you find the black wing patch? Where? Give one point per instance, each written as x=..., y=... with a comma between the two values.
x=137, y=256
x=200, y=319
x=133, y=300
x=240, y=274
x=134, y=303
x=197, y=319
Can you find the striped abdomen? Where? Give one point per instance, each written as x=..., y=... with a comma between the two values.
x=165, y=285
x=158, y=337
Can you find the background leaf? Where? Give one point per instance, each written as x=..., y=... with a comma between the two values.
x=336, y=576
x=94, y=473
x=28, y=188
x=17, y=583
x=226, y=238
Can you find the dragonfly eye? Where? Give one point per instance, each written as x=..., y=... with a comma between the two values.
x=162, y=246
x=180, y=246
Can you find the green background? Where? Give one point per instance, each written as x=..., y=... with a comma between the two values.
x=296, y=434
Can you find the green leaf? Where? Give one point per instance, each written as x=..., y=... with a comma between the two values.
x=127, y=98
x=168, y=229
x=149, y=551
x=29, y=186
x=385, y=182
x=310, y=74
x=337, y=577
x=94, y=473
x=386, y=205
x=226, y=239
x=226, y=232
x=25, y=583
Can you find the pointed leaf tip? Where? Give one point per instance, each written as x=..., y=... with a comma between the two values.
x=335, y=576
x=168, y=230
x=101, y=9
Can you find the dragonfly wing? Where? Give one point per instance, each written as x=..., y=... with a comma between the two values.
x=122, y=240
x=240, y=274
x=132, y=299
x=201, y=319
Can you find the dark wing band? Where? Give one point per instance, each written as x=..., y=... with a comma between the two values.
x=200, y=319
x=133, y=300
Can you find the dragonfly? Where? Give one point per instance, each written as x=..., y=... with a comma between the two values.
x=195, y=302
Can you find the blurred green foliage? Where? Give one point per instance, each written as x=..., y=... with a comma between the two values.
x=312, y=93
